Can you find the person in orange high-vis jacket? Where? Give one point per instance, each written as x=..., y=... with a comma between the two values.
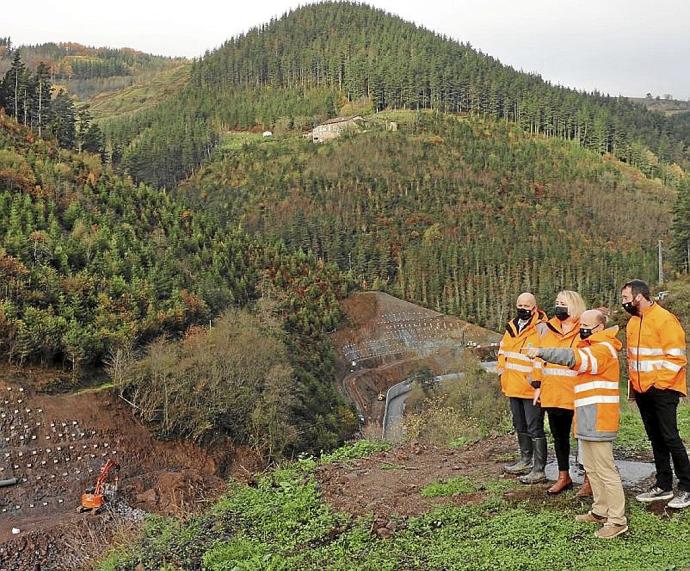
x=515, y=368
x=597, y=415
x=556, y=383
x=657, y=364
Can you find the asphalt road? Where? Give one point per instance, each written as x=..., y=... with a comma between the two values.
x=397, y=394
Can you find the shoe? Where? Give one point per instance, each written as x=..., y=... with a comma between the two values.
x=585, y=490
x=590, y=517
x=537, y=474
x=562, y=484
x=654, y=495
x=681, y=500
x=524, y=464
x=610, y=530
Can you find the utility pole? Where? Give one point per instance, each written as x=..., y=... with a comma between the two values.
x=661, y=265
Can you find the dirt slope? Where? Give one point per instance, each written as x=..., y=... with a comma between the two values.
x=56, y=445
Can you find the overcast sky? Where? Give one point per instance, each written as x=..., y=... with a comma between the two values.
x=627, y=47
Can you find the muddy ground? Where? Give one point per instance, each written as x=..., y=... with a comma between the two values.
x=56, y=445
x=388, y=485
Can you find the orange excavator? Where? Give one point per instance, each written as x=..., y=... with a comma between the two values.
x=95, y=499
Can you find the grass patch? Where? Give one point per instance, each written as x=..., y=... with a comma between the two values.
x=461, y=441
x=235, y=140
x=459, y=485
x=283, y=524
x=388, y=466
x=355, y=451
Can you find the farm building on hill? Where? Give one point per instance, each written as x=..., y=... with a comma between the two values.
x=334, y=128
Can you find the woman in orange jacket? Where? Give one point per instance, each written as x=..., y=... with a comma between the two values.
x=556, y=383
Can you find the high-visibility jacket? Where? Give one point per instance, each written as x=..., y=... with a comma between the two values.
x=557, y=381
x=657, y=354
x=597, y=398
x=516, y=366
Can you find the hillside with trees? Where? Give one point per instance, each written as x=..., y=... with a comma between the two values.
x=301, y=68
x=455, y=213
x=93, y=267
x=86, y=71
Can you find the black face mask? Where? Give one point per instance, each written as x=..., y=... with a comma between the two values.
x=630, y=307
x=524, y=314
x=561, y=312
x=584, y=333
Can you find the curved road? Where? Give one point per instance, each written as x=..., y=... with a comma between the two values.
x=397, y=394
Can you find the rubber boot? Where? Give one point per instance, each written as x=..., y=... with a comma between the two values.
x=537, y=474
x=562, y=484
x=523, y=465
x=585, y=490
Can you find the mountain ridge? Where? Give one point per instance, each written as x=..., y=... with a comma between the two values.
x=301, y=68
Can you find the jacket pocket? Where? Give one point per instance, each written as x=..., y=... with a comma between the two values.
x=608, y=417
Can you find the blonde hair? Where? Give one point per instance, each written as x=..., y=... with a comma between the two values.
x=576, y=305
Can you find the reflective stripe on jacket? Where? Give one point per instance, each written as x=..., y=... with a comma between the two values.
x=557, y=381
x=657, y=354
x=597, y=399
x=516, y=366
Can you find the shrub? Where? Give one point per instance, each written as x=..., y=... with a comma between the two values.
x=233, y=379
x=459, y=411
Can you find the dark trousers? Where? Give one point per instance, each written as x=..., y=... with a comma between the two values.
x=560, y=423
x=658, y=409
x=527, y=418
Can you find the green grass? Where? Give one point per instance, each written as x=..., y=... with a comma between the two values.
x=283, y=524
x=359, y=449
x=235, y=140
x=459, y=485
x=461, y=441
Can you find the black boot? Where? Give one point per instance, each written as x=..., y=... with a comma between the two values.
x=537, y=474
x=525, y=462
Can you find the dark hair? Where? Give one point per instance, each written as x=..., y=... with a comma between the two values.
x=637, y=287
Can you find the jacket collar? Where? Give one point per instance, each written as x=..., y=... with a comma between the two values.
x=555, y=325
x=513, y=329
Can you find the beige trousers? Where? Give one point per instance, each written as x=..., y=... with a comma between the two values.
x=607, y=489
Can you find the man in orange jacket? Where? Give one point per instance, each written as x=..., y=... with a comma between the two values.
x=515, y=367
x=597, y=416
x=657, y=363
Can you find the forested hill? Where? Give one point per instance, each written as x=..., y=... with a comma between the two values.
x=87, y=71
x=455, y=213
x=91, y=264
x=302, y=67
